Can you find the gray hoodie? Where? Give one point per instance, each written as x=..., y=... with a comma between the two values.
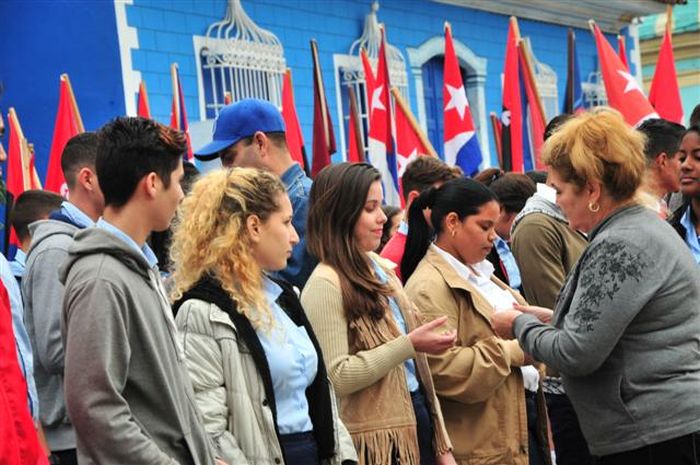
x=127, y=387
x=624, y=335
x=42, y=294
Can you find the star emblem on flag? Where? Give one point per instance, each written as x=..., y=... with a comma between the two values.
x=632, y=83
x=458, y=100
x=377, y=99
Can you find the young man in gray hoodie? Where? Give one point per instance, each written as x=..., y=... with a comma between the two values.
x=42, y=292
x=127, y=387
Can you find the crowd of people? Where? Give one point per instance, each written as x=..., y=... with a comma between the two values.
x=251, y=315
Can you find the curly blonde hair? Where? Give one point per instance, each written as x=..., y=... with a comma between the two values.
x=210, y=236
x=598, y=146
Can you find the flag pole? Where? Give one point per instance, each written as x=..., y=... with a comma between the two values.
x=176, y=97
x=496, y=127
x=516, y=27
x=525, y=52
x=14, y=122
x=145, y=96
x=321, y=91
x=76, y=111
x=412, y=121
x=354, y=114
x=669, y=18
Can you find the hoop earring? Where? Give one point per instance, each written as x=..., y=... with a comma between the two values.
x=594, y=207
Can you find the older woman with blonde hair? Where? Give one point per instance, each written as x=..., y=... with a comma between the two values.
x=624, y=333
x=256, y=367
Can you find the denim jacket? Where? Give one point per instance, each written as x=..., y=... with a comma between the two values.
x=301, y=263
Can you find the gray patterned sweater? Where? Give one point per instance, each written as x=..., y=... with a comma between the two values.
x=626, y=334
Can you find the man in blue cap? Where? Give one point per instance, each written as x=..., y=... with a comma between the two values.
x=251, y=134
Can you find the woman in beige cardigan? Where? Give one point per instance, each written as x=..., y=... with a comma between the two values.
x=479, y=380
x=367, y=328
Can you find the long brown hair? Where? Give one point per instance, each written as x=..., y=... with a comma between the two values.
x=337, y=198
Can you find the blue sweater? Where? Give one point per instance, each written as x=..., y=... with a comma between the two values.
x=626, y=334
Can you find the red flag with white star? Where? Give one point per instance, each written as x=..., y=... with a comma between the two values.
x=624, y=93
x=461, y=145
x=664, y=94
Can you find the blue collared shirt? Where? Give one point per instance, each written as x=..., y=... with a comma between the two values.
x=146, y=251
x=508, y=260
x=19, y=264
x=409, y=365
x=24, y=347
x=691, y=236
x=293, y=363
x=76, y=215
x=301, y=263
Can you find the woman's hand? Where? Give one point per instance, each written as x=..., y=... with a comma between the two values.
x=542, y=314
x=425, y=339
x=502, y=323
x=445, y=459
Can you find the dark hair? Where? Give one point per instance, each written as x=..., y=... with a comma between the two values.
x=79, y=152
x=538, y=177
x=131, y=148
x=554, y=124
x=462, y=196
x=390, y=211
x=336, y=200
x=662, y=137
x=513, y=190
x=32, y=206
x=423, y=172
x=695, y=116
x=160, y=240
x=489, y=175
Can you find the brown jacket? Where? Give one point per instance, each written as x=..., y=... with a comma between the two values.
x=479, y=387
x=545, y=249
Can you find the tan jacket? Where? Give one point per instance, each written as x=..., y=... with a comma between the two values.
x=352, y=375
x=478, y=383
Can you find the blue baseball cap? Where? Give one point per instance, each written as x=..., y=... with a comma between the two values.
x=238, y=121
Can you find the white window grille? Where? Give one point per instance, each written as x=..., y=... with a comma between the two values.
x=236, y=56
x=349, y=72
x=546, y=80
x=594, y=91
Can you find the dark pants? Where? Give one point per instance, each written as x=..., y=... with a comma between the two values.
x=299, y=449
x=424, y=427
x=684, y=450
x=534, y=448
x=64, y=457
x=569, y=444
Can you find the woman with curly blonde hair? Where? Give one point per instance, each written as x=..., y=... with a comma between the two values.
x=255, y=364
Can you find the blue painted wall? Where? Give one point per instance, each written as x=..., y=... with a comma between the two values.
x=43, y=39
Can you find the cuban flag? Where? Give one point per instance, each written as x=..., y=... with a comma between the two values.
x=382, y=153
x=178, y=114
x=461, y=145
x=573, y=100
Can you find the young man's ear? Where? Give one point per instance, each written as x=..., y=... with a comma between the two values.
x=661, y=160
x=150, y=184
x=260, y=141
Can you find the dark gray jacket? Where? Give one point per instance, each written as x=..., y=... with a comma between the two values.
x=626, y=334
x=127, y=389
x=42, y=294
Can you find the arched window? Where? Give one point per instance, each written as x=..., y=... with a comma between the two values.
x=237, y=57
x=426, y=64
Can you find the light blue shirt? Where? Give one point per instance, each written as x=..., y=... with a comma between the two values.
x=19, y=264
x=691, y=236
x=76, y=215
x=508, y=260
x=293, y=363
x=146, y=251
x=24, y=348
x=409, y=364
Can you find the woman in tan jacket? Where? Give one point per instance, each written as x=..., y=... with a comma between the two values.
x=367, y=328
x=479, y=380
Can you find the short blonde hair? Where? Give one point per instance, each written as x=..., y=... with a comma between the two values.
x=210, y=236
x=598, y=146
